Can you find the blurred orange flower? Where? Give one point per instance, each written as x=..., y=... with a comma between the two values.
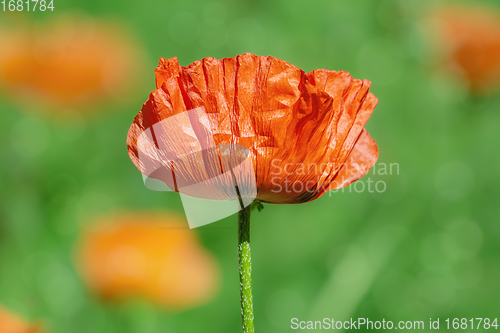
x=470, y=40
x=304, y=131
x=70, y=62
x=12, y=323
x=154, y=256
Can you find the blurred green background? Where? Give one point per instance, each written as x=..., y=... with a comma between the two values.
x=425, y=248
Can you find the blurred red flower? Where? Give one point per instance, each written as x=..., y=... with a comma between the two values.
x=154, y=256
x=469, y=37
x=70, y=62
x=12, y=323
x=304, y=131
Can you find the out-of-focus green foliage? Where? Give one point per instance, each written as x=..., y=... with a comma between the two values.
x=425, y=248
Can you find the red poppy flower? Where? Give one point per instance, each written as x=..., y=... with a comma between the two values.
x=470, y=40
x=70, y=62
x=147, y=255
x=12, y=323
x=304, y=131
